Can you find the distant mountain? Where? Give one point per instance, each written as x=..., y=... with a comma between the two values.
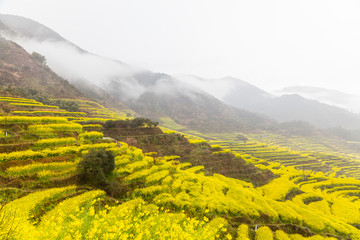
x=230, y=90
x=29, y=28
x=5, y=29
x=190, y=107
x=20, y=27
x=332, y=97
x=149, y=94
x=289, y=107
x=156, y=95
x=294, y=107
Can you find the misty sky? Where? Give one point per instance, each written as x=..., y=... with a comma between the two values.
x=271, y=44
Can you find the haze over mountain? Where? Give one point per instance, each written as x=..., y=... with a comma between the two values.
x=289, y=107
x=332, y=97
x=135, y=87
x=189, y=100
x=294, y=107
x=230, y=90
x=24, y=27
x=20, y=70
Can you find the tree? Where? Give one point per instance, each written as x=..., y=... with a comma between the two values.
x=96, y=167
x=242, y=138
x=38, y=57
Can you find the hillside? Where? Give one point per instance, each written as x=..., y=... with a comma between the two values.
x=195, y=110
x=154, y=197
x=24, y=74
x=232, y=91
x=76, y=162
x=197, y=153
x=21, y=71
x=17, y=26
x=149, y=94
x=159, y=95
x=28, y=28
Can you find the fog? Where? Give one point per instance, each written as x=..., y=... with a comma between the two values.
x=71, y=63
x=74, y=64
x=216, y=87
x=350, y=102
x=269, y=44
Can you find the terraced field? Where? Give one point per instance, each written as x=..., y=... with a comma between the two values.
x=160, y=197
x=97, y=111
x=336, y=197
x=341, y=163
x=315, y=143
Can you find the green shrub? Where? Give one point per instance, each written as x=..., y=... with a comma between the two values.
x=96, y=166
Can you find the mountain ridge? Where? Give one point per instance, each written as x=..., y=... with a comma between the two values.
x=137, y=87
x=328, y=96
x=288, y=107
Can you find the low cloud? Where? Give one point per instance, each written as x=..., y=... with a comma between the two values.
x=74, y=64
x=119, y=79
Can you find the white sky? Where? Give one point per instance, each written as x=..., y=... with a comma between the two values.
x=271, y=44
